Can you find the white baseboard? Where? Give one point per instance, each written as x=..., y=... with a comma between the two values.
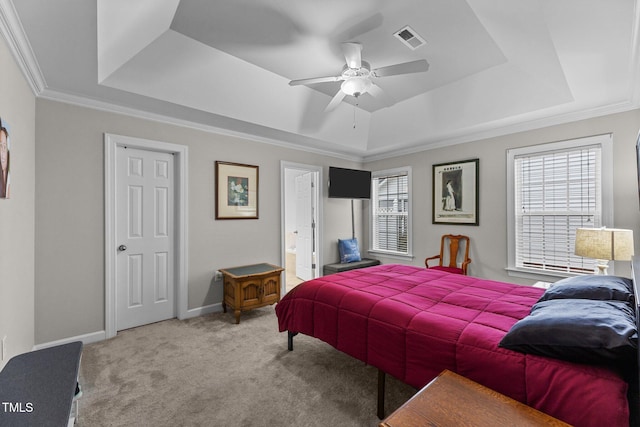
x=207, y=309
x=102, y=335
x=86, y=339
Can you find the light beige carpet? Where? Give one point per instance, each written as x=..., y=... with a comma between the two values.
x=208, y=371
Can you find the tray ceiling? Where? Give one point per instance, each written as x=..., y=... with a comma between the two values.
x=496, y=66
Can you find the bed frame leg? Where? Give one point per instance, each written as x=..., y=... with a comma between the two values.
x=381, y=384
x=290, y=336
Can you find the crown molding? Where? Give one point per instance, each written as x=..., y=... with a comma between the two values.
x=94, y=104
x=495, y=129
x=489, y=130
x=13, y=32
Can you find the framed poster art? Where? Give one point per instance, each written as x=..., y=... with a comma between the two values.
x=236, y=191
x=455, y=192
x=5, y=160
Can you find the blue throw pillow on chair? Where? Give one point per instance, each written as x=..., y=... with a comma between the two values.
x=349, y=251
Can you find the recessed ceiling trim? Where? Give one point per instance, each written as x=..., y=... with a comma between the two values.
x=80, y=101
x=486, y=131
x=465, y=100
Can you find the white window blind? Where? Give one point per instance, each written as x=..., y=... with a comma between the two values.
x=556, y=192
x=390, y=212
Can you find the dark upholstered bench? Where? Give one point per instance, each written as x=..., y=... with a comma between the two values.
x=37, y=388
x=339, y=267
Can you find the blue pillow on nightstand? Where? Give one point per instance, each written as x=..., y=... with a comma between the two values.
x=349, y=251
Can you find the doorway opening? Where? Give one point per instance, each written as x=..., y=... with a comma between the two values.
x=179, y=154
x=301, y=223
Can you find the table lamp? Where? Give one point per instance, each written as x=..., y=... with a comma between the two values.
x=604, y=245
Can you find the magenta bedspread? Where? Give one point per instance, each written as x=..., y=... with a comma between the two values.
x=412, y=323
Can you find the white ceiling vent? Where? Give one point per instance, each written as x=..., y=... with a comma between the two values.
x=409, y=37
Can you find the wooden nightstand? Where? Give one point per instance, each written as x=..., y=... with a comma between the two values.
x=451, y=400
x=250, y=286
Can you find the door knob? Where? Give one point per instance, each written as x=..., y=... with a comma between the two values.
x=122, y=248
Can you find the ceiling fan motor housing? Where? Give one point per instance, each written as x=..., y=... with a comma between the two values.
x=356, y=80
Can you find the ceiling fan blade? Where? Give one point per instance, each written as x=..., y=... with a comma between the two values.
x=360, y=28
x=314, y=80
x=353, y=54
x=404, y=68
x=382, y=96
x=337, y=99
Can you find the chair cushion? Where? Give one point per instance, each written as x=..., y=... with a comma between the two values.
x=454, y=270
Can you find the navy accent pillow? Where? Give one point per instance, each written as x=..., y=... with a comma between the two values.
x=349, y=250
x=577, y=330
x=596, y=287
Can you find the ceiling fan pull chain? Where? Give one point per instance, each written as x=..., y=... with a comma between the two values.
x=354, y=116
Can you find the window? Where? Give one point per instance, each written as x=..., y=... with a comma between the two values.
x=390, y=220
x=553, y=189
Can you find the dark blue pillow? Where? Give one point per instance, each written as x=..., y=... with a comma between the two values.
x=349, y=251
x=577, y=330
x=596, y=287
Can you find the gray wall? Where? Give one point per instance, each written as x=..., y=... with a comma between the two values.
x=17, y=108
x=489, y=239
x=69, y=291
x=69, y=262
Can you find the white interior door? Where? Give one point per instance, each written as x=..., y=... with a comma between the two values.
x=144, y=227
x=304, y=226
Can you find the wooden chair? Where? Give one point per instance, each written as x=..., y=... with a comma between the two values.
x=454, y=242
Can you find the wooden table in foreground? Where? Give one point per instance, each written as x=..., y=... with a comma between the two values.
x=451, y=400
x=250, y=286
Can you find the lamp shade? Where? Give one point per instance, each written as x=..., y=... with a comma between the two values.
x=604, y=243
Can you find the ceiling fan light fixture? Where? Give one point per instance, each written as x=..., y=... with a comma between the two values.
x=356, y=86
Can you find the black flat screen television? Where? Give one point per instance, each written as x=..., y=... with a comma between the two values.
x=349, y=183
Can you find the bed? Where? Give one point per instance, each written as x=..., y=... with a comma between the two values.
x=412, y=323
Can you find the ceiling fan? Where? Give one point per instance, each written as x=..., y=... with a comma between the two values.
x=357, y=76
